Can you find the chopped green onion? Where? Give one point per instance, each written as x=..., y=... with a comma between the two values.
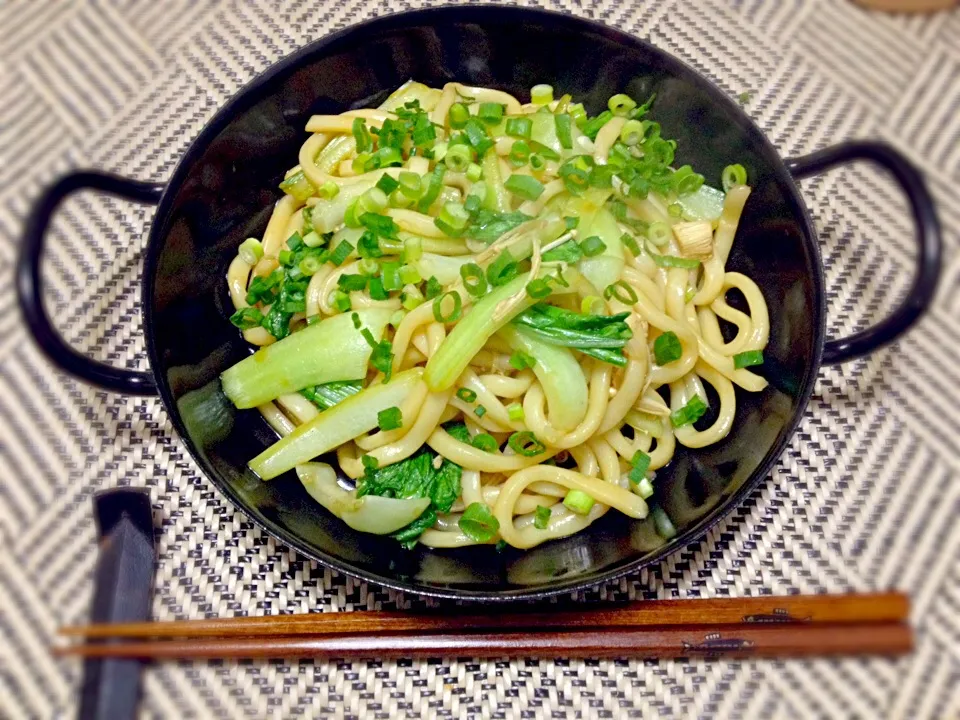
x=519, y=127
x=360, y=162
x=621, y=104
x=622, y=292
x=409, y=275
x=376, y=289
x=411, y=297
x=525, y=186
x=382, y=225
x=285, y=258
x=538, y=288
x=592, y=126
x=519, y=153
x=434, y=288
x=485, y=442
x=390, y=272
x=368, y=246
x=310, y=265
x=666, y=348
x=412, y=249
x=592, y=305
x=387, y=184
x=662, y=523
x=247, y=318
x=329, y=190
x=502, y=270
x=458, y=158
x=564, y=134
x=732, y=176
x=478, y=523
x=537, y=162
x=312, y=239
x=520, y=360
x=473, y=279
x=689, y=413
x=686, y=181
x=659, y=233
x=632, y=133
x=689, y=294
x=474, y=172
x=541, y=94
x=675, y=210
x=541, y=518
x=593, y=246
x=644, y=488
x=472, y=204
x=250, y=251
x=467, y=395
x=411, y=185
x=433, y=188
x=458, y=115
x=490, y=112
x=640, y=463
x=390, y=419
x=526, y=444
x=572, y=222
x=630, y=243
x=350, y=283
x=298, y=187
x=362, y=135
x=373, y=200
x=453, y=218
x=454, y=314
x=397, y=318
x=351, y=217
x=748, y=358
x=341, y=301
x=515, y=412
x=579, y=502
x=341, y=252
x=672, y=261
x=480, y=411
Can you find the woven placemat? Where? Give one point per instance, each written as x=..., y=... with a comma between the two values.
x=865, y=497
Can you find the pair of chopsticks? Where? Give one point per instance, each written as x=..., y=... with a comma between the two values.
x=723, y=627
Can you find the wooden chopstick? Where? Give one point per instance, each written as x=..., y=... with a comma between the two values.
x=712, y=641
x=806, y=609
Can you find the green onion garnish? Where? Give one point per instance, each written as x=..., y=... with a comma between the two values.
x=453, y=218
x=502, y=270
x=519, y=153
x=362, y=135
x=592, y=246
x=622, y=292
x=409, y=275
x=748, y=358
x=370, y=463
x=341, y=301
x=412, y=249
x=341, y=252
x=538, y=289
x=467, y=395
x=387, y=184
x=478, y=523
x=640, y=463
x=310, y=265
x=490, y=112
x=247, y=318
x=454, y=314
x=328, y=190
x=520, y=360
x=579, y=502
x=525, y=443
x=458, y=158
x=515, y=412
x=485, y=442
x=537, y=162
x=433, y=289
x=686, y=181
x=368, y=246
x=411, y=297
x=632, y=133
x=672, y=261
x=630, y=243
x=525, y=186
x=621, y=104
x=564, y=134
x=390, y=272
x=666, y=348
x=250, y=251
x=659, y=233
x=390, y=419
x=376, y=289
x=644, y=488
x=382, y=225
x=433, y=188
x=473, y=279
x=662, y=523
x=350, y=283
x=474, y=172
x=458, y=115
x=541, y=94
x=689, y=413
x=480, y=411
x=519, y=127
x=541, y=518
x=312, y=239
x=732, y=176
x=411, y=185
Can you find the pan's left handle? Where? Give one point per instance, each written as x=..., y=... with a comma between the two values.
x=30, y=291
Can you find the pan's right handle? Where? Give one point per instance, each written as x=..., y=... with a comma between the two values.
x=30, y=291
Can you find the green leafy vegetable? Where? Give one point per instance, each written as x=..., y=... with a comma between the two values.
x=488, y=226
x=666, y=348
x=748, y=358
x=327, y=395
x=600, y=336
x=541, y=517
x=478, y=523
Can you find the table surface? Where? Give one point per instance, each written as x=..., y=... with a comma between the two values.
x=865, y=497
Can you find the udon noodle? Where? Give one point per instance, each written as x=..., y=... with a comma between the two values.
x=501, y=317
